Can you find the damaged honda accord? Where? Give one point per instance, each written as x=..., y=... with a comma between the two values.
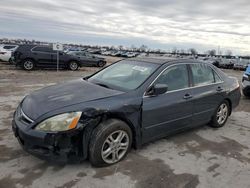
x=124, y=105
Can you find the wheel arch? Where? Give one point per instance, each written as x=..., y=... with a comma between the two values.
x=230, y=105
x=129, y=123
x=96, y=121
x=77, y=61
x=30, y=58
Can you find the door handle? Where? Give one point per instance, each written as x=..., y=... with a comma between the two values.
x=187, y=96
x=219, y=89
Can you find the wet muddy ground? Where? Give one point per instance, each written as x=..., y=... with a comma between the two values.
x=204, y=157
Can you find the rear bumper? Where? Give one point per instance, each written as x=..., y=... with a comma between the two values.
x=55, y=147
x=234, y=97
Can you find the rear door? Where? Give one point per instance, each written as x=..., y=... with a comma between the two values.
x=88, y=59
x=208, y=92
x=43, y=56
x=171, y=111
x=63, y=58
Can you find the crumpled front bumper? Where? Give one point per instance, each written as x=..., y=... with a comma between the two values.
x=61, y=147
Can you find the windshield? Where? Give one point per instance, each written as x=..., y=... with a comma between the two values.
x=124, y=75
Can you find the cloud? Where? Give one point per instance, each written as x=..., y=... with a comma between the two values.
x=159, y=23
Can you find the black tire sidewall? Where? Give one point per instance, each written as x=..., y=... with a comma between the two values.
x=70, y=66
x=30, y=61
x=247, y=94
x=99, y=136
x=214, y=122
x=100, y=63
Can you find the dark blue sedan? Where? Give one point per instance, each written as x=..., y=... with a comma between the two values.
x=126, y=104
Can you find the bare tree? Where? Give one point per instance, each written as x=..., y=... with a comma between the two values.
x=120, y=47
x=133, y=47
x=193, y=51
x=182, y=51
x=143, y=48
x=229, y=53
x=212, y=52
x=174, y=50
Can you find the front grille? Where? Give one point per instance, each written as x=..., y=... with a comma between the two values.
x=23, y=117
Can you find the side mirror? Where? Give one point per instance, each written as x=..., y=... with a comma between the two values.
x=157, y=89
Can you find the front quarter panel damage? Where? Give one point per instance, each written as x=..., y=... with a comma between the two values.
x=127, y=111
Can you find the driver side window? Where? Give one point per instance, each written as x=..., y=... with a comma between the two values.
x=175, y=77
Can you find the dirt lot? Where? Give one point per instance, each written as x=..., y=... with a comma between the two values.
x=203, y=157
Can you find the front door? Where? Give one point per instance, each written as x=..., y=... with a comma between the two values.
x=171, y=111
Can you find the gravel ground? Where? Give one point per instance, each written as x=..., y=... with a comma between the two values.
x=203, y=157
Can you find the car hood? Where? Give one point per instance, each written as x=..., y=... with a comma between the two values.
x=63, y=95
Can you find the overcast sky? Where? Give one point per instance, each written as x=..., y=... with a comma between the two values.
x=156, y=23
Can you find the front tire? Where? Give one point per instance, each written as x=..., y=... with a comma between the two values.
x=221, y=115
x=73, y=66
x=28, y=64
x=110, y=143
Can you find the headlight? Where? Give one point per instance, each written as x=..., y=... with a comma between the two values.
x=62, y=122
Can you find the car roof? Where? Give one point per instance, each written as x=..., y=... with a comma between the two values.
x=164, y=60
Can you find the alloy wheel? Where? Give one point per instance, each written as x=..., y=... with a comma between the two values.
x=73, y=66
x=28, y=65
x=115, y=147
x=222, y=113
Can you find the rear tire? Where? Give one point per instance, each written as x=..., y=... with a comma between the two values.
x=110, y=143
x=73, y=65
x=246, y=93
x=101, y=63
x=28, y=64
x=220, y=115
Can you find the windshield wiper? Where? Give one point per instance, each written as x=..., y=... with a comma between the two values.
x=103, y=85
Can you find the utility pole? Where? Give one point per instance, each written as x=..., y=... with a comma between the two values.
x=218, y=50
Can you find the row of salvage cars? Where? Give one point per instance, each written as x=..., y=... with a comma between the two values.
x=236, y=64
x=30, y=57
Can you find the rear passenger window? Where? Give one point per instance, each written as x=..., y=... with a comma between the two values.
x=8, y=47
x=175, y=77
x=42, y=49
x=202, y=74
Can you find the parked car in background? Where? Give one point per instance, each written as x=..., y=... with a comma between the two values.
x=129, y=103
x=106, y=53
x=88, y=59
x=246, y=82
x=130, y=54
x=31, y=56
x=213, y=61
x=94, y=51
x=241, y=64
x=116, y=53
x=6, y=51
x=226, y=63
